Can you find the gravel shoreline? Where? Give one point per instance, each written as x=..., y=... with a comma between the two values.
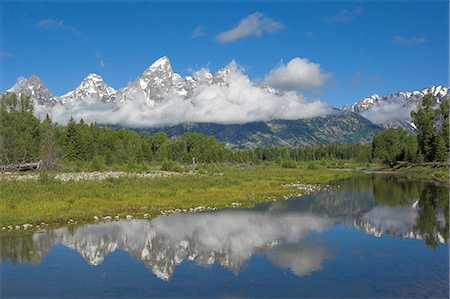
x=97, y=175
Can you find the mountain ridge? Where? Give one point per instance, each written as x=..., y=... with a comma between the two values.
x=158, y=85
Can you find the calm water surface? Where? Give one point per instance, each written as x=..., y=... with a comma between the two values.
x=377, y=236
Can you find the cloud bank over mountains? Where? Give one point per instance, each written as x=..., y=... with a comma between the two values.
x=161, y=97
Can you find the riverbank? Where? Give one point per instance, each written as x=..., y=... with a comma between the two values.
x=432, y=171
x=55, y=202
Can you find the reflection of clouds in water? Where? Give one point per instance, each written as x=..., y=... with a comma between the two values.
x=398, y=220
x=238, y=232
x=228, y=238
x=301, y=259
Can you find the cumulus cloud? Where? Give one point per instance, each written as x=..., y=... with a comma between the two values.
x=55, y=24
x=240, y=102
x=408, y=41
x=383, y=112
x=255, y=24
x=297, y=74
x=345, y=16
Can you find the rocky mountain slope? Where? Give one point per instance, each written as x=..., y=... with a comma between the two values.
x=339, y=127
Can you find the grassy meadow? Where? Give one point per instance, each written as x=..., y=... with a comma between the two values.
x=216, y=185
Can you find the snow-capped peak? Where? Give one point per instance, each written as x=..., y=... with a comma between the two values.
x=161, y=63
x=93, y=77
x=393, y=110
x=91, y=88
x=161, y=68
x=35, y=88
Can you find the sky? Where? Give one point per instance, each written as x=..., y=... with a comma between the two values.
x=337, y=52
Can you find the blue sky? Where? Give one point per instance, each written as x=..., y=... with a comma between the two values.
x=363, y=47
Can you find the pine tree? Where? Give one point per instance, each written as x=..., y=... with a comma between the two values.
x=48, y=152
x=72, y=141
x=442, y=140
x=424, y=120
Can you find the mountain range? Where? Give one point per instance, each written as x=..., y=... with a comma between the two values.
x=281, y=122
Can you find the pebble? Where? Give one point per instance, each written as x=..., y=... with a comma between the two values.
x=71, y=221
x=96, y=218
x=97, y=175
x=306, y=188
x=117, y=217
x=27, y=226
x=129, y=217
x=146, y=215
x=107, y=218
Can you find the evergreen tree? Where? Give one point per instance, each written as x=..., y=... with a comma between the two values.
x=73, y=142
x=442, y=139
x=424, y=120
x=19, y=130
x=49, y=151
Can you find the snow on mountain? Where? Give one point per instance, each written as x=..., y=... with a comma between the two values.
x=393, y=110
x=92, y=88
x=227, y=96
x=35, y=88
x=157, y=83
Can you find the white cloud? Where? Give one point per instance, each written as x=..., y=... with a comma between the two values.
x=198, y=32
x=50, y=24
x=55, y=24
x=345, y=16
x=383, y=112
x=101, y=62
x=297, y=74
x=409, y=41
x=240, y=102
x=255, y=24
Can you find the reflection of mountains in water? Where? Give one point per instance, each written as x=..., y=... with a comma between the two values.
x=231, y=237
x=228, y=238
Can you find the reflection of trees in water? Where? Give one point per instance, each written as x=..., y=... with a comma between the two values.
x=434, y=201
x=395, y=190
x=17, y=248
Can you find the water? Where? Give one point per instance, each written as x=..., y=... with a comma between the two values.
x=377, y=236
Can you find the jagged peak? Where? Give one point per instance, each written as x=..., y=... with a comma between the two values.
x=35, y=78
x=162, y=62
x=93, y=77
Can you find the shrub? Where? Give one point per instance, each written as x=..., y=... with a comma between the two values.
x=312, y=166
x=288, y=164
x=168, y=165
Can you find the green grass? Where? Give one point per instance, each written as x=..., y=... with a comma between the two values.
x=215, y=185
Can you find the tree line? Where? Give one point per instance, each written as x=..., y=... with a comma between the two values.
x=24, y=138
x=431, y=144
